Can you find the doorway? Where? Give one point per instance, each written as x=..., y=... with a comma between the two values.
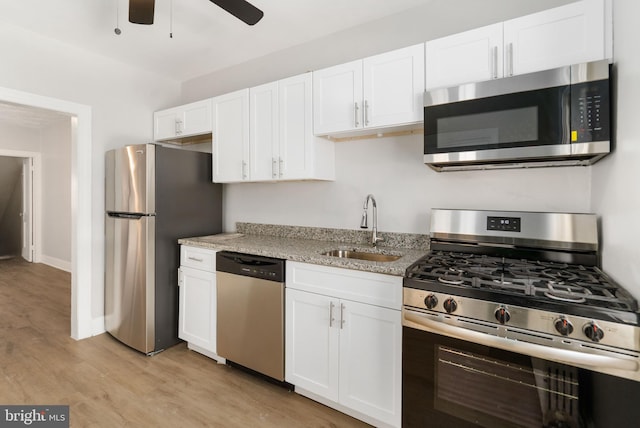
x=16, y=208
x=82, y=280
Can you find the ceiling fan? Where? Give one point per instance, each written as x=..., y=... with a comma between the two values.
x=141, y=11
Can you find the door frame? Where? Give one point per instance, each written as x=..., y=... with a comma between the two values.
x=81, y=231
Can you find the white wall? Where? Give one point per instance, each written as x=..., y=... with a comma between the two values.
x=122, y=100
x=55, y=147
x=53, y=143
x=616, y=179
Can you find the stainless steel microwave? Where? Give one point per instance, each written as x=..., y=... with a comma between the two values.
x=554, y=117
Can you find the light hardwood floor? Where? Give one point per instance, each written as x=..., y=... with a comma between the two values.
x=106, y=384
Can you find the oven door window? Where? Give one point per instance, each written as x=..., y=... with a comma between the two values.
x=489, y=391
x=522, y=119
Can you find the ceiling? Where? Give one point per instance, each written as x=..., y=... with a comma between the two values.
x=29, y=117
x=205, y=37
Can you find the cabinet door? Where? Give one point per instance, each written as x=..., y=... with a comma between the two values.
x=295, y=154
x=371, y=361
x=565, y=35
x=263, y=132
x=230, y=145
x=471, y=56
x=195, y=118
x=337, y=98
x=311, y=342
x=197, y=312
x=393, y=87
x=165, y=124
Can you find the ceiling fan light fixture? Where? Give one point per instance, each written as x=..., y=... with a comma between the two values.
x=141, y=11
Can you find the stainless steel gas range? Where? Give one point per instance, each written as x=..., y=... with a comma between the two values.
x=509, y=321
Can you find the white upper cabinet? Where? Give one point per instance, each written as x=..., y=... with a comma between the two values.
x=377, y=92
x=574, y=33
x=230, y=145
x=300, y=154
x=179, y=123
x=471, y=56
x=569, y=34
x=265, y=134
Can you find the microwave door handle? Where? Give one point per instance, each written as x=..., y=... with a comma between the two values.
x=566, y=119
x=494, y=61
x=594, y=362
x=510, y=58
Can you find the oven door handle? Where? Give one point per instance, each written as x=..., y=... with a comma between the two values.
x=595, y=362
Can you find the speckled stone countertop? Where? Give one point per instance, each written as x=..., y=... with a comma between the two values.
x=306, y=244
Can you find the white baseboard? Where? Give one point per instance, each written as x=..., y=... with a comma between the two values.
x=56, y=263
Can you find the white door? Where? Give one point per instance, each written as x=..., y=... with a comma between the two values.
x=371, y=361
x=165, y=124
x=295, y=157
x=337, y=98
x=230, y=143
x=393, y=87
x=27, y=209
x=311, y=342
x=263, y=131
x=197, y=311
x=195, y=118
x=564, y=35
x=471, y=56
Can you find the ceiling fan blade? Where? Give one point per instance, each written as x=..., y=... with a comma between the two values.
x=141, y=11
x=242, y=10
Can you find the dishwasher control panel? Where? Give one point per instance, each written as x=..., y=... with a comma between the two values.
x=261, y=267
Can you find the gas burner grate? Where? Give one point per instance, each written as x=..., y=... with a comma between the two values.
x=542, y=280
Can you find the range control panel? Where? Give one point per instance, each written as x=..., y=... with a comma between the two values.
x=508, y=224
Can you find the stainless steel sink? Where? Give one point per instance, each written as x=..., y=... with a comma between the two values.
x=362, y=255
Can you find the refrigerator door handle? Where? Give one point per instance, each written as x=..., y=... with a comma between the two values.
x=131, y=216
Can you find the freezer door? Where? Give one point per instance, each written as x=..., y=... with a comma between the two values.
x=130, y=178
x=130, y=281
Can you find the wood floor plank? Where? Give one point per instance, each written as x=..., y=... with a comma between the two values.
x=107, y=384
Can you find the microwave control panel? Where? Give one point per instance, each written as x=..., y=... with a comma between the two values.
x=590, y=111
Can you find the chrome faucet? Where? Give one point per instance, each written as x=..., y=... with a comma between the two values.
x=363, y=224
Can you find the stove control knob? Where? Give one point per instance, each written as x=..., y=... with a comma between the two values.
x=563, y=326
x=502, y=315
x=593, y=332
x=431, y=301
x=450, y=305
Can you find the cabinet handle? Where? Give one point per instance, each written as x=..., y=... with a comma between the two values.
x=494, y=61
x=281, y=166
x=179, y=277
x=355, y=114
x=510, y=58
x=342, y=315
x=366, y=113
x=178, y=127
x=274, y=174
x=331, y=318
x=195, y=259
x=244, y=170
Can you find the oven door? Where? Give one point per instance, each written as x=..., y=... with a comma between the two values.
x=452, y=382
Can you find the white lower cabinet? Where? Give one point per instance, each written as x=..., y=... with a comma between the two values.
x=197, y=307
x=344, y=353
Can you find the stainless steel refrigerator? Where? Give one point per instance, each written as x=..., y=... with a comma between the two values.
x=154, y=196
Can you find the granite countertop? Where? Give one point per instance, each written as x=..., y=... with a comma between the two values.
x=305, y=244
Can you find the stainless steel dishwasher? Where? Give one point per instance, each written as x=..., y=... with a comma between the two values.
x=250, y=312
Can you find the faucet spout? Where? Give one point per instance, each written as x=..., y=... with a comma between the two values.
x=374, y=231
